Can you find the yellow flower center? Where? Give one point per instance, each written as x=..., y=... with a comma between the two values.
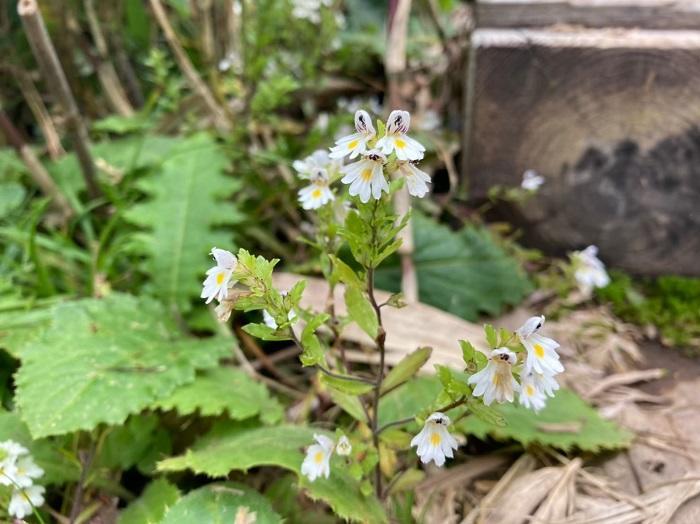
x=220, y=278
x=497, y=380
x=316, y=193
x=366, y=175
x=318, y=457
x=539, y=351
x=530, y=390
x=435, y=439
x=353, y=144
x=400, y=144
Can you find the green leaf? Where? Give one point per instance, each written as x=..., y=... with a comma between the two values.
x=350, y=404
x=264, y=332
x=466, y=273
x=409, y=366
x=345, y=273
x=104, y=359
x=152, y=505
x=567, y=422
x=473, y=358
x=221, y=503
x=281, y=446
x=351, y=387
x=313, y=350
x=361, y=311
x=185, y=205
x=11, y=196
x=489, y=415
x=224, y=389
x=409, y=400
x=491, y=335
x=140, y=441
x=50, y=454
x=21, y=327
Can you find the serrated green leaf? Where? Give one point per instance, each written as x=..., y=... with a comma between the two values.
x=361, y=311
x=221, y=503
x=152, y=505
x=345, y=273
x=580, y=425
x=491, y=335
x=350, y=387
x=281, y=446
x=465, y=272
x=313, y=350
x=49, y=454
x=224, y=389
x=99, y=350
x=406, y=368
x=140, y=440
x=185, y=205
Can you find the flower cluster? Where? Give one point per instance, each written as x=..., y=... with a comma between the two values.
x=537, y=376
x=18, y=471
x=393, y=153
x=317, y=462
x=589, y=270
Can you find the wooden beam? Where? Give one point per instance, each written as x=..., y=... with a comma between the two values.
x=649, y=14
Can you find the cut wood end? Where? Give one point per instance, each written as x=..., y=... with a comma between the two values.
x=27, y=7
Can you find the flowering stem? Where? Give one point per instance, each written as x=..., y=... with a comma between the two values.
x=407, y=420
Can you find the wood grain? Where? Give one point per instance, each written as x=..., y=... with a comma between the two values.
x=650, y=14
x=611, y=119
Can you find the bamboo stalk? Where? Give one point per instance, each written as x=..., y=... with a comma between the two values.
x=395, y=65
x=36, y=170
x=41, y=113
x=196, y=83
x=114, y=91
x=55, y=79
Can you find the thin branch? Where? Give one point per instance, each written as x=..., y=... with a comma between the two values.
x=115, y=93
x=55, y=79
x=196, y=83
x=407, y=420
x=38, y=108
x=36, y=170
x=85, y=465
x=395, y=65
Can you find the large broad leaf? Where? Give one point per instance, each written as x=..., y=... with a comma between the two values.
x=566, y=422
x=152, y=505
x=465, y=272
x=49, y=454
x=222, y=503
x=224, y=389
x=281, y=446
x=104, y=359
x=185, y=205
x=19, y=328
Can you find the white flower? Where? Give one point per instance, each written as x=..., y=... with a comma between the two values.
x=434, y=442
x=23, y=500
x=589, y=271
x=531, y=396
x=541, y=351
x=496, y=381
x=308, y=9
x=10, y=451
x=26, y=471
x=416, y=180
x=343, y=448
x=218, y=277
x=312, y=164
x=545, y=383
x=317, y=462
x=366, y=176
x=396, y=139
x=531, y=180
x=355, y=143
x=318, y=193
